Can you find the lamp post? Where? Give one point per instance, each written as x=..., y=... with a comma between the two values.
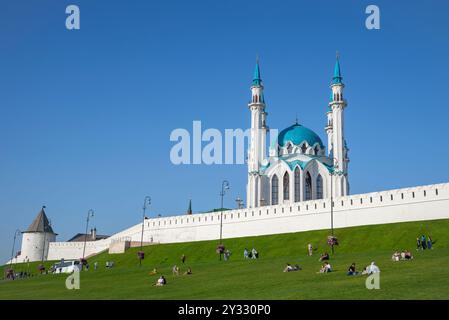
x=13, y=246
x=334, y=162
x=146, y=202
x=224, y=187
x=90, y=214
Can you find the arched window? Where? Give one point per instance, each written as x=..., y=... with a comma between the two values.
x=308, y=187
x=316, y=149
x=286, y=185
x=297, y=185
x=319, y=187
x=289, y=148
x=274, y=190
x=303, y=148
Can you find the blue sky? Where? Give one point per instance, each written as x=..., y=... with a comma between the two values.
x=86, y=115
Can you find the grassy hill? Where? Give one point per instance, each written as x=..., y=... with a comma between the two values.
x=426, y=277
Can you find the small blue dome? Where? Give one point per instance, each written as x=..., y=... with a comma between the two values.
x=296, y=134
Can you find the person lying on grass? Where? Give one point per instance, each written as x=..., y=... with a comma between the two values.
x=290, y=268
x=153, y=272
x=324, y=256
x=188, y=272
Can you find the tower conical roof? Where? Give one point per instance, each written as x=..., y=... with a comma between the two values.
x=40, y=223
x=189, y=210
x=257, y=80
x=337, y=72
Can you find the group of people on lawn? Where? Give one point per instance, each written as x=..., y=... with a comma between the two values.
x=423, y=243
x=326, y=268
x=253, y=254
x=162, y=281
x=403, y=255
x=352, y=271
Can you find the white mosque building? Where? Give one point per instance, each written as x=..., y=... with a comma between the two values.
x=297, y=168
x=289, y=189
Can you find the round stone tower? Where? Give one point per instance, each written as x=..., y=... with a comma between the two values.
x=36, y=239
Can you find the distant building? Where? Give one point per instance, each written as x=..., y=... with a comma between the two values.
x=92, y=236
x=297, y=166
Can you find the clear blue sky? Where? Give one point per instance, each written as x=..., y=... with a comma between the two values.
x=86, y=115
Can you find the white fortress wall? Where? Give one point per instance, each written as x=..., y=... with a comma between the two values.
x=409, y=204
x=74, y=250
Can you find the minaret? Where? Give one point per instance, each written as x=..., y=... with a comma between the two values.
x=257, y=143
x=329, y=128
x=338, y=146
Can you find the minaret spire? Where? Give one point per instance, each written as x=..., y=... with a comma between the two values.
x=257, y=80
x=337, y=71
x=257, y=148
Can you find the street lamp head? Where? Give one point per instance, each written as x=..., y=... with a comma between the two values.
x=146, y=202
x=90, y=213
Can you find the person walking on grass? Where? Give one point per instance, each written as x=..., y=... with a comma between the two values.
x=175, y=270
x=310, y=249
x=429, y=243
x=418, y=243
x=423, y=242
x=183, y=258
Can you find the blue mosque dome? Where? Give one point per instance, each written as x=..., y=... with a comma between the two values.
x=296, y=134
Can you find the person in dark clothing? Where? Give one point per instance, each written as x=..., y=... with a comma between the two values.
x=352, y=270
x=423, y=242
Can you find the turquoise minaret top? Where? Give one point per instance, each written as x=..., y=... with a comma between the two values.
x=337, y=73
x=257, y=81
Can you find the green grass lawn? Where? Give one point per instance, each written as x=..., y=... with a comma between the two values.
x=425, y=277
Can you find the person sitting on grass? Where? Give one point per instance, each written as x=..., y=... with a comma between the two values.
x=407, y=255
x=188, y=272
x=326, y=268
x=153, y=272
x=324, y=256
x=161, y=282
x=372, y=268
x=351, y=270
x=396, y=256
